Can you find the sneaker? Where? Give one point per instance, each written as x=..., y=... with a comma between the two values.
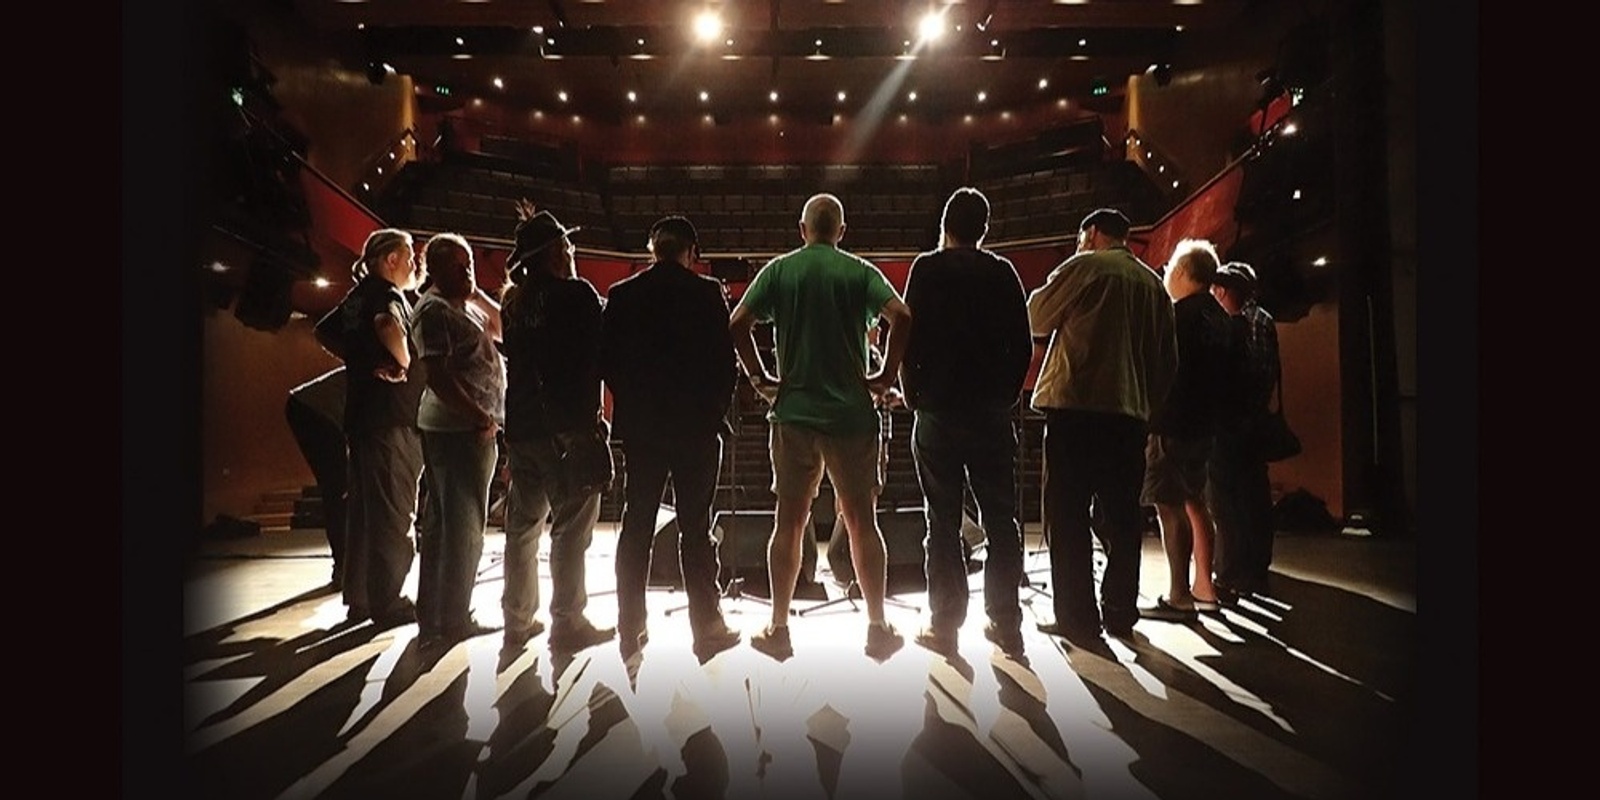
x=517, y=638
x=939, y=641
x=715, y=639
x=883, y=641
x=774, y=641
x=1009, y=640
x=579, y=635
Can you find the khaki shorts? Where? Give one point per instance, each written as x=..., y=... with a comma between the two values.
x=1175, y=470
x=800, y=454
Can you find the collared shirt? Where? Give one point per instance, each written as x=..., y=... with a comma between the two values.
x=1112, y=341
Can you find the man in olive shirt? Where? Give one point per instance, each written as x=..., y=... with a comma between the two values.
x=821, y=302
x=1111, y=356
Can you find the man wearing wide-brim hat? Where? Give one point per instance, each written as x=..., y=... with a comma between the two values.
x=551, y=323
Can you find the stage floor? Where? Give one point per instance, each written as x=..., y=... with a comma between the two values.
x=1306, y=691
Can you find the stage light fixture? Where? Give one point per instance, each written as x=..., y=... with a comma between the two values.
x=707, y=26
x=931, y=27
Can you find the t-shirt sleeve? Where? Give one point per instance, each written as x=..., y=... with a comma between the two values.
x=879, y=291
x=430, y=333
x=758, y=295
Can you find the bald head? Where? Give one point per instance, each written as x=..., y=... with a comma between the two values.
x=822, y=219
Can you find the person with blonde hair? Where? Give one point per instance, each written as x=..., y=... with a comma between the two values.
x=1184, y=431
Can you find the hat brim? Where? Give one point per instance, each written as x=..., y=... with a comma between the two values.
x=519, y=255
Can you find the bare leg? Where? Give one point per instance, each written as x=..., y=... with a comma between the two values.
x=1204, y=537
x=783, y=554
x=867, y=552
x=1178, y=543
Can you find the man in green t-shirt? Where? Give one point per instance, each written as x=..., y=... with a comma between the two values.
x=821, y=302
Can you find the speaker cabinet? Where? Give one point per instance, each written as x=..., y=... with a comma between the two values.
x=742, y=538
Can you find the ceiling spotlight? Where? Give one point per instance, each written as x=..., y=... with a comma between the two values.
x=911, y=96
x=633, y=96
x=704, y=95
x=460, y=42
x=982, y=96
x=539, y=29
x=840, y=95
x=931, y=27
x=322, y=283
x=773, y=95
x=1289, y=128
x=1296, y=195
x=707, y=25
x=1322, y=261
x=1083, y=42
x=499, y=84
x=562, y=96
x=1044, y=83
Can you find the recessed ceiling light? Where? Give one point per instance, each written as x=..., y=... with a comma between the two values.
x=1083, y=42
x=773, y=95
x=1296, y=194
x=982, y=96
x=1322, y=261
x=322, y=283
x=562, y=95
x=931, y=27
x=1044, y=83
x=704, y=95
x=460, y=42
x=499, y=84
x=912, y=96
x=633, y=97
x=840, y=96
x=539, y=29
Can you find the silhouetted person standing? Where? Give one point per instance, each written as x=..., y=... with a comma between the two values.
x=963, y=375
x=667, y=356
x=453, y=334
x=1182, y=432
x=822, y=302
x=315, y=413
x=368, y=331
x=1111, y=356
x=1241, y=493
x=552, y=322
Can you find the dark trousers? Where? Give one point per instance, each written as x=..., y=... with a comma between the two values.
x=321, y=442
x=953, y=452
x=1094, y=462
x=1241, y=503
x=692, y=464
x=450, y=526
x=385, y=466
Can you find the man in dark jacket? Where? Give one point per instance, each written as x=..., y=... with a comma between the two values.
x=551, y=330
x=963, y=375
x=667, y=356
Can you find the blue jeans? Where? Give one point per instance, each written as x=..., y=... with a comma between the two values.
x=1094, y=461
x=953, y=452
x=459, y=467
x=532, y=496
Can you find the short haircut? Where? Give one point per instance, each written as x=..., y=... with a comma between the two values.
x=966, y=215
x=1110, y=221
x=442, y=242
x=823, y=215
x=671, y=237
x=1201, y=258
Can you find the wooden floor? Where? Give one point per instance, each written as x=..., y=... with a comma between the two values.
x=1306, y=691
